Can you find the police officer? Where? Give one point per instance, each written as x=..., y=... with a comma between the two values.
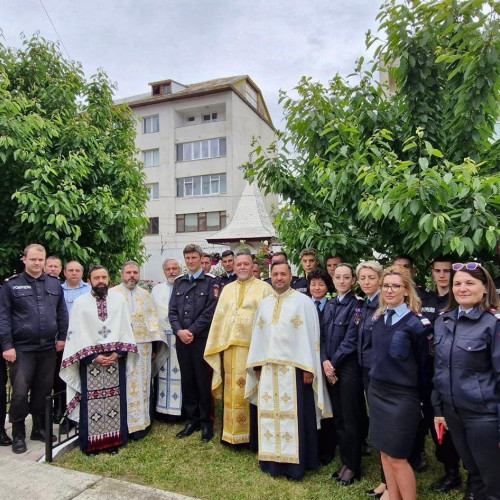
x=33, y=324
x=191, y=308
x=227, y=261
x=433, y=303
x=466, y=394
x=340, y=364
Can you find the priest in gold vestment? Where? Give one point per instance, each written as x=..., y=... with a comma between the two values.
x=227, y=349
x=152, y=348
x=285, y=379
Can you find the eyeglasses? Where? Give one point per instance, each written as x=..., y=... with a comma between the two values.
x=470, y=266
x=393, y=288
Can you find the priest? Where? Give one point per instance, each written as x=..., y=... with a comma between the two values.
x=100, y=353
x=285, y=379
x=169, y=395
x=152, y=347
x=227, y=350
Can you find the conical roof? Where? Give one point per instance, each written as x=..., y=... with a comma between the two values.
x=250, y=221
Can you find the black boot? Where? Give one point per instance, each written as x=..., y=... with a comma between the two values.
x=4, y=439
x=38, y=431
x=449, y=481
x=18, y=437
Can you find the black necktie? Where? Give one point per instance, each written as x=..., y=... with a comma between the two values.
x=461, y=313
x=390, y=314
x=191, y=279
x=318, y=304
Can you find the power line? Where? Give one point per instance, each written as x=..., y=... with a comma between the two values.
x=53, y=25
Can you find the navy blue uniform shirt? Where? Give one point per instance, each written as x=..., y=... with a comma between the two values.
x=33, y=314
x=364, y=331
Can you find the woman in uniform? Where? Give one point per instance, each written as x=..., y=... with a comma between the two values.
x=340, y=364
x=399, y=375
x=466, y=395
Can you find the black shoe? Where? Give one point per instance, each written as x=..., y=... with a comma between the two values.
x=338, y=473
x=207, y=433
x=57, y=418
x=372, y=493
x=4, y=439
x=112, y=451
x=348, y=477
x=19, y=445
x=471, y=495
x=187, y=431
x=39, y=435
x=450, y=481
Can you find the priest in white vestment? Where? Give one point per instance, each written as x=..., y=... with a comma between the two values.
x=152, y=347
x=285, y=379
x=99, y=354
x=169, y=395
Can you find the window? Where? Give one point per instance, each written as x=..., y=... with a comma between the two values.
x=154, y=191
x=151, y=158
x=199, y=150
x=204, y=221
x=190, y=118
x=153, y=226
x=209, y=117
x=201, y=185
x=151, y=124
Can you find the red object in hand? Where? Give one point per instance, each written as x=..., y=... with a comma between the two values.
x=440, y=433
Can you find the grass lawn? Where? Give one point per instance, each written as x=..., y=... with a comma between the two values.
x=215, y=472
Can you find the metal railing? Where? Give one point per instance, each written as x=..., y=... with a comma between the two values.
x=49, y=425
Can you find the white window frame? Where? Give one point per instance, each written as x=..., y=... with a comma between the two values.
x=188, y=183
x=153, y=191
x=152, y=153
x=204, y=150
x=149, y=123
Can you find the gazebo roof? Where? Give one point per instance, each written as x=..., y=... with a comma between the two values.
x=250, y=221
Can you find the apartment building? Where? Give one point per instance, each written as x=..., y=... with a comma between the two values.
x=192, y=140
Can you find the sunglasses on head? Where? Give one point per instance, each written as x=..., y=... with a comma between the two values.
x=470, y=266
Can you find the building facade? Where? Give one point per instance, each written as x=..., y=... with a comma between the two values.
x=192, y=140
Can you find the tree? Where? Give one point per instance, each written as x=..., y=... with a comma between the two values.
x=406, y=168
x=70, y=178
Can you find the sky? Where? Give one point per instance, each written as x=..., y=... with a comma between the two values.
x=275, y=42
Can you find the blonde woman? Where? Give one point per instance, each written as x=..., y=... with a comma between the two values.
x=399, y=373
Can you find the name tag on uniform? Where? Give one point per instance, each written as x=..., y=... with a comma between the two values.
x=21, y=287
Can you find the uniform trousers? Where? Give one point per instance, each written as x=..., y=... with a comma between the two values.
x=196, y=382
x=347, y=400
x=3, y=392
x=32, y=372
x=475, y=436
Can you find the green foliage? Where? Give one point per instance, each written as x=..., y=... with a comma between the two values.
x=70, y=180
x=406, y=168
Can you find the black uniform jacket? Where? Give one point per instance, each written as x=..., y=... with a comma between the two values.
x=335, y=345
x=33, y=314
x=192, y=304
x=467, y=362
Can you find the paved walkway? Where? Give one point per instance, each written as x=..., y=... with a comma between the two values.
x=22, y=479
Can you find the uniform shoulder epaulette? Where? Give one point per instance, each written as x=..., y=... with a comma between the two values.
x=211, y=275
x=361, y=299
x=10, y=278
x=180, y=276
x=424, y=321
x=55, y=277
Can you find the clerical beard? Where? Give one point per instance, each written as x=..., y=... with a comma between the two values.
x=101, y=291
